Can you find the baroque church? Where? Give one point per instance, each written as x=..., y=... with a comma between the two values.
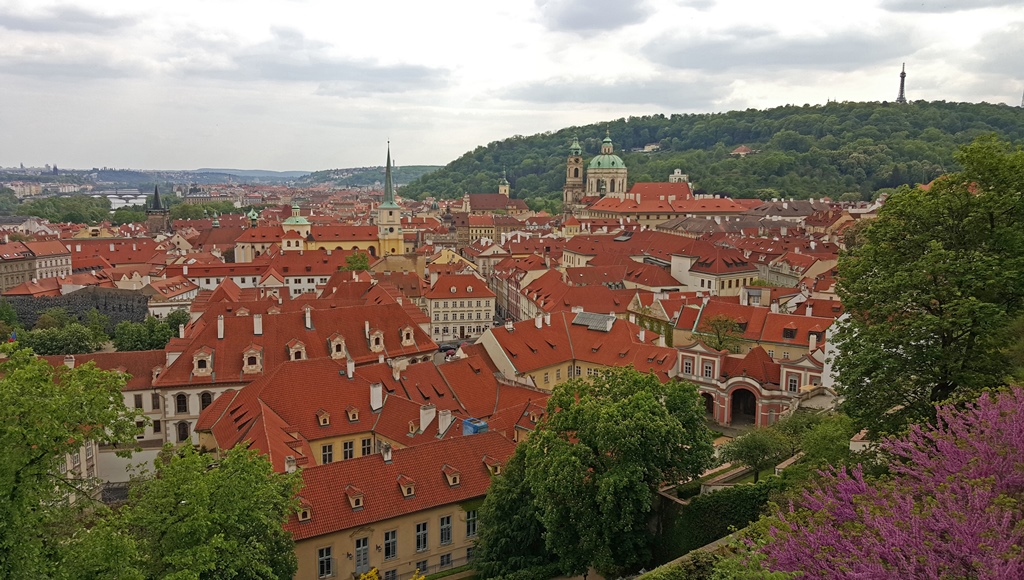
x=605, y=174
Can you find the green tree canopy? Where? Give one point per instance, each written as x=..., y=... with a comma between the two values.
x=759, y=449
x=932, y=288
x=590, y=472
x=47, y=412
x=720, y=332
x=358, y=262
x=149, y=335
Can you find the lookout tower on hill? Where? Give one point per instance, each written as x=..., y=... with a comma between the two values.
x=902, y=98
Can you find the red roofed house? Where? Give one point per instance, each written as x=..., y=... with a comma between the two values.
x=460, y=307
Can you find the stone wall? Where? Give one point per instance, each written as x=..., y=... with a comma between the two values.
x=118, y=304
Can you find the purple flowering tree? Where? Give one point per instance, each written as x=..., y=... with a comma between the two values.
x=952, y=507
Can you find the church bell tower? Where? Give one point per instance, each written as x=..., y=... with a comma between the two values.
x=389, y=217
x=573, y=191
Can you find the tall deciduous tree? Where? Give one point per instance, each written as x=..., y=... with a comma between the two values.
x=720, y=332
x=47, y=412
x=201, y=517
x=589, y=473
x=758, y=449
x=931, y=289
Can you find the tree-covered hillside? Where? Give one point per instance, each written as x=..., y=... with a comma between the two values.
x=366, y=176
x=808, y=151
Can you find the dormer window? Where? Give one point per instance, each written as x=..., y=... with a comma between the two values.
x=336, y=346
x=355, y=497
x=353, y=414
x=408, y=486
x=376, y=341
x=788, y=333
x=252, y=359
x=202, y=362
x=323, y=418
x=452, y=475
x=296, y=350
x=304, y=514
x=493, y=465
x=407, y=336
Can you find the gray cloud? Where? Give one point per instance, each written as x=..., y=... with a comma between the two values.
x=931, y=6
x=762, y=49
x=68, y=19
x=1000, y=51
x=592, y=16
x=292, y=57
x=53, y=61
x=688, y=94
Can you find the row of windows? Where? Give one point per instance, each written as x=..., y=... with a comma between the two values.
x=462, y=304
x=348, y=450
x=462, y=316
x=181, y=406
x=725, y=283
x=325, y=559
x=438, y=330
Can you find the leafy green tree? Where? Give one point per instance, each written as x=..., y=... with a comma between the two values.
x=7, y=313
x=931, y=290
x=47, y=412
x=177, y=318
x=97, y=323
x=71, y=339
x=53, y=318
x=720, y=332
x=758, y=449
x=203, y=517
x=128, y=215
x=358, y=262
x=592, y=469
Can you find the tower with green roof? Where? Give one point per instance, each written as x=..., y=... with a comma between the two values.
x=389, y=217
x=606, y=173
x=572, y=193
x=297, y=223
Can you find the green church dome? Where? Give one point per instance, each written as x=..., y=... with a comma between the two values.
x=607, y=162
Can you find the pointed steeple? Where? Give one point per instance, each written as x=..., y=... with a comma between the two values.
x=389, y=189
x=156, y=198
x=575, y=148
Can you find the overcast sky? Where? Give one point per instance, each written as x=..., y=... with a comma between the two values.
x=314, y=84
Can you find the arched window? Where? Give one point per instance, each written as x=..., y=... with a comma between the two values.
x=251, y=361
x=297, y=355
x=183, y=434
x=204, y=400
x=576, y=172
x=181, y=404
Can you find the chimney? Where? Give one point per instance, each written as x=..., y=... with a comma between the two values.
x=775, y=306
x=643, y=335
x=111, y=246
x=427, y=414
x=257, y=324
x=184, y=270
x=69, y=361
x=509, y=326
x=385, y=452
x=632, y=318
x=220, y=327
x=812, y=342
x=350, y=369
x=547, y=319
x=539, y=321
x=366, y=329
x=289, y=464
x=444, y=421
x=810, y=309
x=309, y=318
x=134, y=247
x=376, y=396
x=181, y=331
x=661, y=340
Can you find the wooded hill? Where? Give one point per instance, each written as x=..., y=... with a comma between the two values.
x=804, y=151
x=365, y=176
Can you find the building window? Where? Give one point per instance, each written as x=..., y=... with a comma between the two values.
x=794, y=384
x=771, y=353
x=688, y=367
x=547, y=379
x=362, y=555
x=446, y=530
x=391, y=575
x=183, y=431
x=391, y=545
x=709, y=370
x=324, y=562
x=366, y=445
x=558, y=374
x=181, y=404
x=471, y=523
x=156, y=401
x=138, y=401
x=422, y=566
x=327, y=454
x=205, y=400
x=446, y=561
x=421, y=537
x=469, y=554
x=785, y=354
x=348, y=449
x=156, y=425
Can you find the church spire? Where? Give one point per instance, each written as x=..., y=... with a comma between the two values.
x=902, y=98
x=156, y=198
x=389, y=189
